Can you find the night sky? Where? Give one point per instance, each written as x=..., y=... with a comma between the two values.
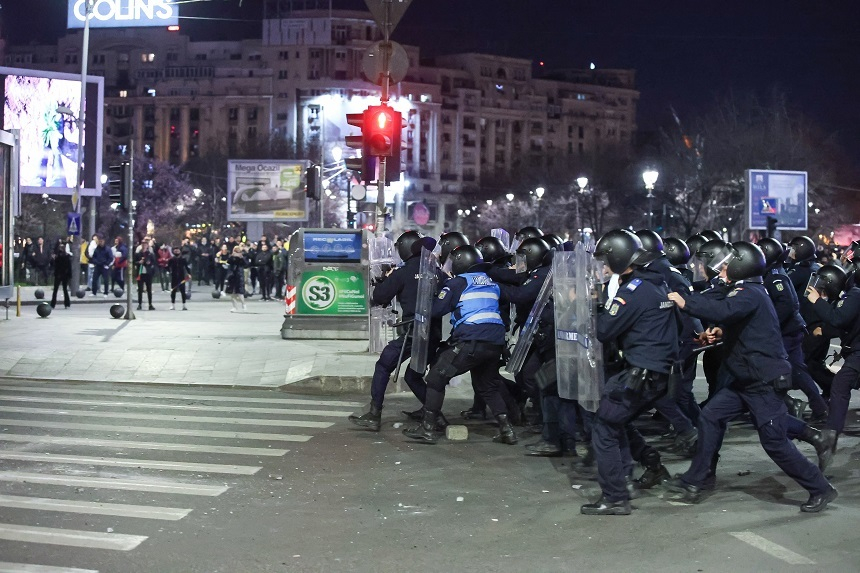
x=685, y=53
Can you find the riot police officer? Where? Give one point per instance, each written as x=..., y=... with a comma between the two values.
x=402, y=283
x=843, y=313
x=448, y=242
x=477, y=340
x=641, y=320
x=678, y=253
x=758, y=368
x=527, y=233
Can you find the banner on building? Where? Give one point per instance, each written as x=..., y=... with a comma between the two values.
x=124, y=13
x=778, y=194
x=266, y=190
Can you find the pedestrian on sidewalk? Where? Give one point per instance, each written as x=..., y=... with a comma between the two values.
x=101, y=260
x=62, y=257
x=180, y=274
x=85, y=273
x=120, y=263
x=279, y=269
x=206, y=253
x=163, y=259
x=144, y=265
x=264, y=264
x=40, y=258
x=222, y=266
x=236, y=279
x=91, y=268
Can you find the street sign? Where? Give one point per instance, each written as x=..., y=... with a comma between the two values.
x=387, y=13
x=373, y=62
x=73, y=224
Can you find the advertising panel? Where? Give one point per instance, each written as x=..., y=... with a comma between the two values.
x=124, y=13
x=49, y=138
x=332, y=291
x=266, y=190
x=332, y=247
x=779, y=194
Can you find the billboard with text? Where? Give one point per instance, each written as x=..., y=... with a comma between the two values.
x=124, y=13
x=266, y=190
x=779, y=194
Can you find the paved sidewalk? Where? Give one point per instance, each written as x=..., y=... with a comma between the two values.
x=206, y=345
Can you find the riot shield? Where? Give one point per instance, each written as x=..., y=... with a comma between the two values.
x=383, y=258
x=427, y=278
x=529, y=329
x=503, y=236
x=579, y=356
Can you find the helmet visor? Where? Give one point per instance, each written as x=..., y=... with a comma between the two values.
x=720, y=260
x=521, y=264
x=816, y=283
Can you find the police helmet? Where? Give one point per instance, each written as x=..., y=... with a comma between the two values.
x=553, y=240
x=832, y=279
x=491, y=249
x=619, y=249
x=851, y=256
x=711, y=253
x=747, y=261
x=528, y=233
x=404, y=244
x=535, y=252
x=676, y=251
x=450, y=241
x=802, y=248
x=464, y=258
x=695, y=243
x=711, y=235
x=773, y=251
x=651, y=241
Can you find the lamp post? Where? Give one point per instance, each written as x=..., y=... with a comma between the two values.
x=539, y=194
x=650, y=178
x=582, y=183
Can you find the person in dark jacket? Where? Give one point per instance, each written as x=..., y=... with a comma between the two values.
x=40, y=258
x=221, y=268
x=120, y=263
x=62, y=271
x=205, y=254
x=145, y=263
x=101, y=260
x=235, y=279
x=264, y=264
x=180, y=274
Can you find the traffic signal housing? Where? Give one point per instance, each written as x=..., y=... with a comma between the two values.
x=384, y=130
x=313, y=180
x=119, y=184
x=363, y=166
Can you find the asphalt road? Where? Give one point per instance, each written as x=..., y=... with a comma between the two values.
x=100, y=477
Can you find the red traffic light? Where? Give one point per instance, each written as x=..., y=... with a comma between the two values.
x=380, y=123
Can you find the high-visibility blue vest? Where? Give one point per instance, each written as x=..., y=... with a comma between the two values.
x=479, y=303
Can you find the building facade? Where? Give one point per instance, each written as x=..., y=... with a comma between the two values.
x=467, y=115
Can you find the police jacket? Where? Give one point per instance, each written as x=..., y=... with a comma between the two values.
x=784, y=298
x=799, y=274
x=642, y=320
x=527, y=293
x=530, y=284
x=844, y=314
x=677, y=282
x=752, y=339
x=473, y=301
x=401, y=283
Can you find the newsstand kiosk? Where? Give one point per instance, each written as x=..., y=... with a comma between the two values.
x=327, y=285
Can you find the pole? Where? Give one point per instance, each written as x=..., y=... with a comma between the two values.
x=650, y=210
x=386, y=84
x=320, y=200
x=80, y=120
x=129, y=269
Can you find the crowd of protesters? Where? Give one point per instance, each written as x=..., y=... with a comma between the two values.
x=232, y=266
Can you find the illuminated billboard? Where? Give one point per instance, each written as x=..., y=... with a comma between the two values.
x=779, y=194
x=266, y=190
x=49, y=137
x=124, y=13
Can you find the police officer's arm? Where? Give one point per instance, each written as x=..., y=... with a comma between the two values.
x=524, y=294
x=617, y=318
x=841, y=315
x=447, y=300
x=385, y=291
x=737, y=305
x=504, y=276
x=784, y=299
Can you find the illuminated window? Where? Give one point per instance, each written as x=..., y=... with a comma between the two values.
x=123, y=93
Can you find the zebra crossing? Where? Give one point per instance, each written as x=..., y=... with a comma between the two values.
x=75, y=458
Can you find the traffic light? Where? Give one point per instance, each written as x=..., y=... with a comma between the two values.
x=119, y=183
x=383, y=129
x=363, y=167
x=313, y=179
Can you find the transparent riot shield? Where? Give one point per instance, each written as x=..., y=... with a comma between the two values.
x=502, y=236
x=383, y=258
x=427, y=278
x=529, y=329
x=579, y=355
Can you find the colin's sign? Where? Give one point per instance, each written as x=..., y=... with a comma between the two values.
x=124, y=13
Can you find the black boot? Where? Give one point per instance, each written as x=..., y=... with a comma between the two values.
x=818, y=502
x=416, y=415
x=506, y=433
x=371, y=420
x=604, y=507
x=823, y=442
x=426, y=430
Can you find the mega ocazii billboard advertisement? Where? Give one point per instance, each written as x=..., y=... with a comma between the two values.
x=124, y=13
x=266, y=190
x=32, y=104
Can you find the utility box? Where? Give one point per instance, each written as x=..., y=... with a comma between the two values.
x=327, y=285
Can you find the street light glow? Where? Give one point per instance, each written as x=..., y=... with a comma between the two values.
x=510, y=196
x=489, y=202
x=650, y=178
x=336, y=153
x=539, y=192
x=582, y=182
x=197, y=192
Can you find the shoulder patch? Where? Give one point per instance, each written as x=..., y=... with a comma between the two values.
x=634, y=284
x=443, y=294
x=779, y=286
x=613, y=309
x=733, y=293
x=840, y=303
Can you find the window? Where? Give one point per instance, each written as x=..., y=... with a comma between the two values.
x=284, y=55
x=255, y=57
x=99, y=59
x=150, y=92
x=123, y=93
x=282, y=117
x=233, y=113
x=283, y=74
x=581, y=132
x=340, y=55
x=200, y=56
x=147, y=58
x=123, y=57
x=71, y=58
x=172, y=56
x=252, y=114
x=486, y=71
x=341, y=34
x=315, y=54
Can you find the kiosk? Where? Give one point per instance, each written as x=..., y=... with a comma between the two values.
x=327, y=285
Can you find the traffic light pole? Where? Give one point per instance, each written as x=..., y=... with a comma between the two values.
x=128, y=194
x=386, y=86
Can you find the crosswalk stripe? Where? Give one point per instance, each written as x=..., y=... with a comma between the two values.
x=149, y=430
x=138, y=484
x=7, y=567
x=126, y=444
x=70, y=537
x=93, y=508
x=170, y=418
x=155, y=406
x=127, y=463
x=235, y=399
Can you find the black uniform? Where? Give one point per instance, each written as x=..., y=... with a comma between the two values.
x=641, y=320
x=843, y=314
x=757, y=364
x=815, y=347
x=793, y=328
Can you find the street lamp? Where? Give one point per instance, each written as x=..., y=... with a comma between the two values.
x=582, y=183
x=650, y=178
x=539, y=194
x=509, y=196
